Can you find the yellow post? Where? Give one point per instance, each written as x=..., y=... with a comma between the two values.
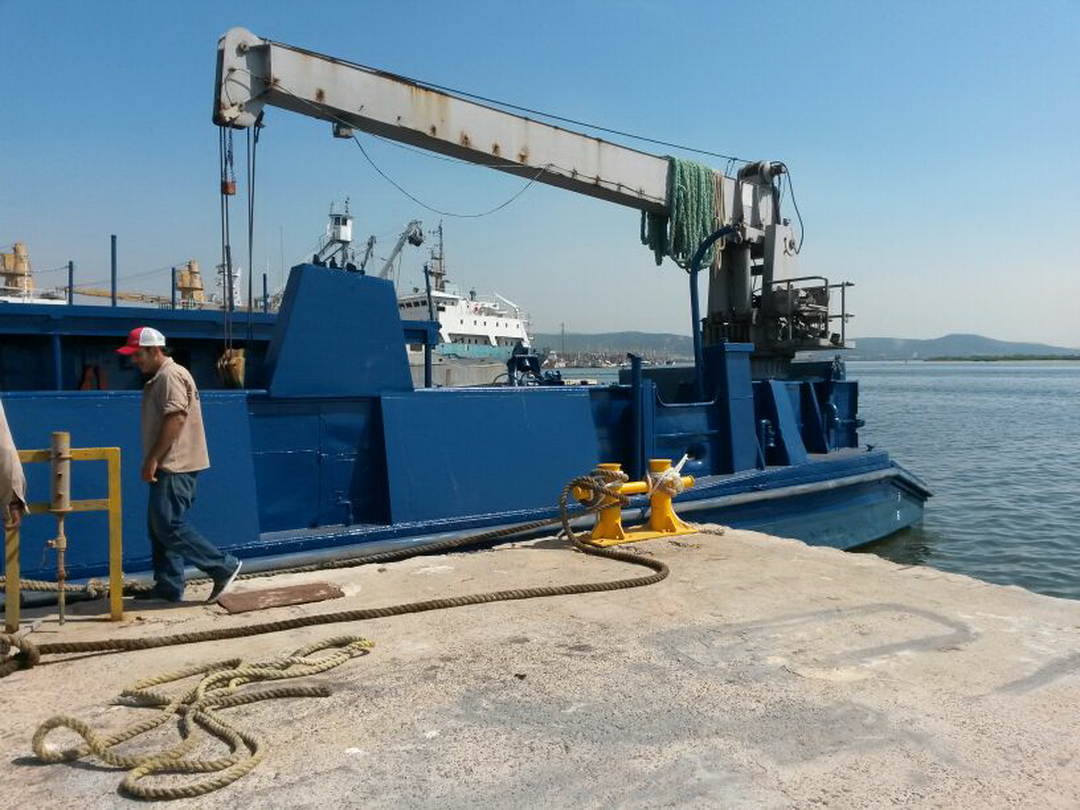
x=116, y=551
x=60, y=505
x=11, y=572
x=609, y=520
x=112, y=504
x=662, y=517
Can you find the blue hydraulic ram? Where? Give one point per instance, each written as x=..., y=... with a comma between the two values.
x=695, y=306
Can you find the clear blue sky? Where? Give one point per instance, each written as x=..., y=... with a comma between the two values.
x=933, y=145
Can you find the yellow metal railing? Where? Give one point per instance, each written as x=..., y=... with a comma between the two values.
x=111, y=504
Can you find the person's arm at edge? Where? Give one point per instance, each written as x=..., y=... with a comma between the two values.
x=11, y=471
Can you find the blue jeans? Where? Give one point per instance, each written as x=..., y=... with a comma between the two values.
x=173, y=540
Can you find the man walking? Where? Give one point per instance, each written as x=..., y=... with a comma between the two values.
x=174, y=452
x=12, y=482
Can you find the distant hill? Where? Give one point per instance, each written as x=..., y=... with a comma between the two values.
x=876, y=348
x=675, y=346
x=868, y=348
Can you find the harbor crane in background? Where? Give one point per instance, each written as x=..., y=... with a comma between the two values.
x=755, y=292
x=414, y=235
x=136, y=297
x=368, y=248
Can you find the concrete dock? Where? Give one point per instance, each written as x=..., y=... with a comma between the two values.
x=761, y=673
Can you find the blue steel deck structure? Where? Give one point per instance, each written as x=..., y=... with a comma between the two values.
x=336, y=448
x=62, y=347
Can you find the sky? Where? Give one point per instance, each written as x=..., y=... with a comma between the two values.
x=932, y=146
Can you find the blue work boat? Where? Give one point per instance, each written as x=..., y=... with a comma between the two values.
x=332, y=446
x=338, y=448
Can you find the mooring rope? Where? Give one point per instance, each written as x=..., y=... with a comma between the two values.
x=97, y=588
x=599, y=482
x=222, y=682
x=693, y=209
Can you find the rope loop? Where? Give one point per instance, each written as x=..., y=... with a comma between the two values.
x=27, y=656
x=670, y=481
x=604, y=486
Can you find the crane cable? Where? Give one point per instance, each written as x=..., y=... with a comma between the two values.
x=252, y=149
x=228, y=187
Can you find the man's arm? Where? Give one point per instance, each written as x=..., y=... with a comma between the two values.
x=12, y=482
x=171, y=426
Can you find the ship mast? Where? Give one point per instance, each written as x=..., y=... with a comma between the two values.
x=437, y=267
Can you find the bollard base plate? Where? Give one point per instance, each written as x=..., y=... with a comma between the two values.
x=639, y=534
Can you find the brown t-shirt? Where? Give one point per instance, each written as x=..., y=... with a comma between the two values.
x=172, y=390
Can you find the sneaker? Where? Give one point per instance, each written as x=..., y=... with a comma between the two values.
x=222, y=585
x=154, y=595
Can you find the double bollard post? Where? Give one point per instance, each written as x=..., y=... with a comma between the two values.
x=661, y=484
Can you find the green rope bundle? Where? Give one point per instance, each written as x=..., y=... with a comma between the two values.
x=692, y=202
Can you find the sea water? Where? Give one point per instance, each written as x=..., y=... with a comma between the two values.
x=999, y=445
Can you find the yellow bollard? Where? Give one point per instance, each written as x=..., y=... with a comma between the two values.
x=662, y=517
x=608, y=519
x=663, y=522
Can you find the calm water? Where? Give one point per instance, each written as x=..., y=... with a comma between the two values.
x=999, y=444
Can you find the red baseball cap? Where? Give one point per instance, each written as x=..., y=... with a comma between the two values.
x=141, y=336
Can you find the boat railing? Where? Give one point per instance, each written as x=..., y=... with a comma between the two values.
x=804, y=307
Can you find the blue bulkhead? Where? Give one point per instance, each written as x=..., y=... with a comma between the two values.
x=338, y=334
x=60, y=347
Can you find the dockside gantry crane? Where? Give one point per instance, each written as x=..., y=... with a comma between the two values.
x=755, y=292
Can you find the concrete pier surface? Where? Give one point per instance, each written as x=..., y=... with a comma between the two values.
x=761, y=673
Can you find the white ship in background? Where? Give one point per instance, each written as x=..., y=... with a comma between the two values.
x=478, y=332
x=472, y=327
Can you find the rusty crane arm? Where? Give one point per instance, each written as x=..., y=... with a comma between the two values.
x=253, y=73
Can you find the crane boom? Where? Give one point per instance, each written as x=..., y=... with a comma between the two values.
x=254, y=72
x=367, y=253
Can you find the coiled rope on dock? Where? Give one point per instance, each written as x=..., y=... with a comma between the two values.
x=221, y=687
x=600, y=482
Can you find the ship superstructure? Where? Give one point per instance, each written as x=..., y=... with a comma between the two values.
x=471, y=326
